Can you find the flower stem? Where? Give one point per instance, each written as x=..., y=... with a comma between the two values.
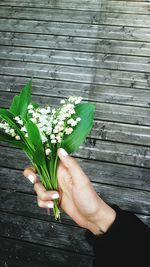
x=47, y=182
x=56, y=210
x=55, y=172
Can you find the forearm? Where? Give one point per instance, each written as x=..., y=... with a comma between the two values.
x=103, y=219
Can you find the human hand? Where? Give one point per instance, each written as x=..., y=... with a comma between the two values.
x=76, y=194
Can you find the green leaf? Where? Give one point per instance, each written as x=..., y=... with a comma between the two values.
x=9, y=118
x=20, y=102
x=39, y=156
x=86, y=112
x=6, y=113
x=33, y=134
x=7, y=138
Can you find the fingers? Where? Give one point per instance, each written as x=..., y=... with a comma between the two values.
x=45, y=204
x=45, y=198
x=77, y=174
x=30, y=173
x=43, y=194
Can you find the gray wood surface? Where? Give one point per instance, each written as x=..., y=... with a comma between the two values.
x=104, y=111
x=75, y=73
x=84, y=17
x=99, y=50
x=29, y=254
x=76, y=43
x=104, y=172
x=120, y=62
x=137, y=6
x=75, y=29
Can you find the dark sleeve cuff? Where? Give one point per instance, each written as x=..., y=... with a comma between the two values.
x=126, y=236
x=117, y=227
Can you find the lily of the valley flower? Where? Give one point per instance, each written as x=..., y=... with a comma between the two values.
x=41, y=131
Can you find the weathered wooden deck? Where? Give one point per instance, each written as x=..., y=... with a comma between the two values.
x=99, y=49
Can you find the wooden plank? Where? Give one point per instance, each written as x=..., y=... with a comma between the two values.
x=75, y=16
x=5, y=264
x=75, y=74
x=145, y=219
x=26, y=205
x=83, y=59
x=114, y=152
x=99, y=172
x=13, y=179
x=120, y=113
x=27, y=254
x=127, y=199
x=103, y=111
x=100, y=93
x=78, y=30
x=130, y=114
x=106, y=130
x=127, y=6
x=56, y=235
x=75, y=43
x=50, y=15
x=118, y=132
x=134, y=20
x=9, y=157
x=121, y=6
x=85, y=4
x=130, y=199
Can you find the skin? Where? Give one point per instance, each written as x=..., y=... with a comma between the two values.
x=77, y=196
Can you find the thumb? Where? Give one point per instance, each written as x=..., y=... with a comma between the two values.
x=76, y=172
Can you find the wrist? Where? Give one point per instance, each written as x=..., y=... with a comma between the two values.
x=103, y=219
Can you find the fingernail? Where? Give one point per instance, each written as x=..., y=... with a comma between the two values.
x=50, y=205
x=55, y=196
x=31, y=178
x=63, y=152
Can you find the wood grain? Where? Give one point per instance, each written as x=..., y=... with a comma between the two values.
x=27, y=254
x=75, y=73
x=137, y=6
x=101, y=51
x=103, y=111
x=76, y=16
x=74, y=29
x=26, y=204
x=103, y=172
x=32, y=230
x=109, y=152
x=70, y=43
x=103, y=60
x=60, y=89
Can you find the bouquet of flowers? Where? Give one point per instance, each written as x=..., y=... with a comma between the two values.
x=40, y=131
